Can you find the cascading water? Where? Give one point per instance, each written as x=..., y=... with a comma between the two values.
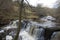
x=39, y=33
x=35, y=29
x=31, y=31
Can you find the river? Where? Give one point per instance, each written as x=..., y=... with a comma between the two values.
x=31, y=31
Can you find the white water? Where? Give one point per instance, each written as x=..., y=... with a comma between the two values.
x=47, y=22
x=9, y=37
x=11, y=25
x=25, y=35
x=1, y=31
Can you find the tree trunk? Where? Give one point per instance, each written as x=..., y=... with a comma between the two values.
x=20, y=14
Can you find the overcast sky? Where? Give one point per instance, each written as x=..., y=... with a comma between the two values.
x=46, y=3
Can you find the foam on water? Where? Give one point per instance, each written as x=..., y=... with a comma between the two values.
x=47, y=22
x=1, y=31
x=24, y=33
x=25, y=36
x=9, y=37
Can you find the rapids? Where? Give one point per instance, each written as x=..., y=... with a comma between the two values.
x=31, y=31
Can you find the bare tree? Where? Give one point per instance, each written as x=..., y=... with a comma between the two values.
x=20, y=14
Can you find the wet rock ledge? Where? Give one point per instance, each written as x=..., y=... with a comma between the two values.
x=4, y=22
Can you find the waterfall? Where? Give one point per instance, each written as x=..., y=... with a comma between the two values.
x=30, y=30
x=35, y=30
x=39, y=33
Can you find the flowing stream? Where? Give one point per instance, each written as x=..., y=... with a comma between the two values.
x=31, y=31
